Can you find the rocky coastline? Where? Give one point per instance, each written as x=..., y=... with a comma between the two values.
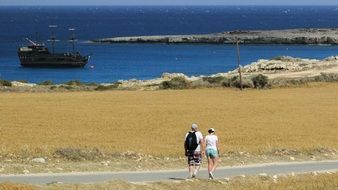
x=278, y=72
x=290, y=36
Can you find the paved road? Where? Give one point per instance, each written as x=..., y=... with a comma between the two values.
x=97, y=177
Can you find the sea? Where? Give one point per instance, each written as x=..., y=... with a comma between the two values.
x=124, y=61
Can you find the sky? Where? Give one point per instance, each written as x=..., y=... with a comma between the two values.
x=168, y=2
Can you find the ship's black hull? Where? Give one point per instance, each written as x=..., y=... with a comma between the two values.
x=49, y=64
x=53, y=60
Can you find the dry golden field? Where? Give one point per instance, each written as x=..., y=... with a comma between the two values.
x=155, y=122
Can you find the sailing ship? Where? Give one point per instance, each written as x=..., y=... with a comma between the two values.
x=38, y=55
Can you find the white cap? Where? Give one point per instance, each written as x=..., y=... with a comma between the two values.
x=194, y=126
x=211, y=130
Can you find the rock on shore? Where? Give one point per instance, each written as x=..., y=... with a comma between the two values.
x=283, y=67
x=289, y=67
x=291, y=36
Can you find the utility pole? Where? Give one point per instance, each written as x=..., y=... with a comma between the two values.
x=239, y=64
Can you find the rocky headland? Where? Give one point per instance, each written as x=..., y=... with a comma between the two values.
x=279, y=71
x=290, y=36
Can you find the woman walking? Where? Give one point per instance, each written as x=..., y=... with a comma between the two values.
x=211, y=143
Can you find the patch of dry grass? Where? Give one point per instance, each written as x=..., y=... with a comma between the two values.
x=308, y=182
x=10, y=186
x=155, y=122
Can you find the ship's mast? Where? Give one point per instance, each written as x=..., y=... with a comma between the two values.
x=37, y=37
x=30, y=41
x=53, y=39
x=72, y=39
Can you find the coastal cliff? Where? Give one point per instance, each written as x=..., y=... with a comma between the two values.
x=292, y=36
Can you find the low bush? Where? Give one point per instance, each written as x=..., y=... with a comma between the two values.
x=226, y=83
x=5, y=83
x=76, y=154
x=175, y=83
x=215, y=80
x=46, y=82
x=73, y=83
x=200, y=83
x=92, y=84
x=246, y=83
x=278, y=58
x=327, y=77
x=67, y=87
x=53, y=87
x=107, y=87
x=290, y=82
x=260, y=81
x=235, y=82
x=286, y=59
x=23, y=81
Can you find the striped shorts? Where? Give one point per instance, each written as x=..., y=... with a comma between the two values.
x=194, y=158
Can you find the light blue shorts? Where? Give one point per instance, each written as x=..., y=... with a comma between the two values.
x=211, y=153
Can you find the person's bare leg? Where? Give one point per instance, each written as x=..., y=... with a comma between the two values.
x=197, y=168
x=191, y=170
x=215, y=162
x=210, y=165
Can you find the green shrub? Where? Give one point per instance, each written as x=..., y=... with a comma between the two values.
x=286, y=58
x=5, y=83
x=280, y=82
x=298, y=82
x=23, y=81
x=46, y=82
x=175, y=83
x=108, y=87
x=53, y=87
x=92, y=84
x=73, y=83
x=260, y=81
x=327, y=77
x=200, y=83
x=67, y=87
x=278, y=58
x=215, y=80
x=226, y=83
x=75, y=154
x=232, y=82
x=246, y=83
x=235, y=83
x=102, y=88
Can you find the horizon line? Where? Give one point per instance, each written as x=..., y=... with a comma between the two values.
x=166, y=5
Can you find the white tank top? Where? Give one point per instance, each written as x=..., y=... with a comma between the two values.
x=210, y=141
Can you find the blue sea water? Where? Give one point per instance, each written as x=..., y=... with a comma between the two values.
x=111, y=62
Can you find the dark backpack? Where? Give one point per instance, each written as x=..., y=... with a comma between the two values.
x=191, y=141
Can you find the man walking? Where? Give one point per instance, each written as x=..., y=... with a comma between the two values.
x=194, y=149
